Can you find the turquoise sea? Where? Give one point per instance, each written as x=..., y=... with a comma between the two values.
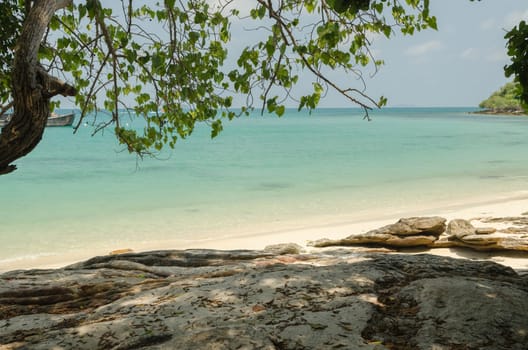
x=261, y=174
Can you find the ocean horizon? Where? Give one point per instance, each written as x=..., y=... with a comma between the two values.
x=78, y=192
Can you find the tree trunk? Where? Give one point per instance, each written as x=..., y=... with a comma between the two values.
x=32, y=87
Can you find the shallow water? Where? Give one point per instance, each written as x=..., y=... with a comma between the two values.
x=77, y=192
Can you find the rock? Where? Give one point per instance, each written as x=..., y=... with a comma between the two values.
x=513, y=238
x=483, y=239
x=407, y=232
x=459, y=233
x=284, y=248
x=121, y=251
x=498, y=241
x=434, y=226
x=455, y=302
x=458, y=228
x=445, y=241
x=364, y=238
x=228, y=300
x=410, y=241
x=516, y=230
x=485, y=230
x=175, y=258
x=227, y=338
x=515, y=220
x=519, y=243
x=377, y=239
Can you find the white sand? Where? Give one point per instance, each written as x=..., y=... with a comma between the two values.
x=498, y=207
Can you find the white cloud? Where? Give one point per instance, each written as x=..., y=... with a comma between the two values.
x=470, y=54
x=425, y=48
x=489, y=55
x=513, y=18
x=498, y=55
x=488, y=24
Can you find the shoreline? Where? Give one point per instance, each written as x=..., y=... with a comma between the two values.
x=514, y=205
x=508, y=113
x=257, y=187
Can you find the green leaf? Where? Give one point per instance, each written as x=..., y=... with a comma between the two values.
x=280, y=110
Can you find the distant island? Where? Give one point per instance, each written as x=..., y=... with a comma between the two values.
x=503, y=101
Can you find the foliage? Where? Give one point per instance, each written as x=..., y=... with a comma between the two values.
x=518, y=52
x=506, y=98
x=168, y=62
x=11, y=22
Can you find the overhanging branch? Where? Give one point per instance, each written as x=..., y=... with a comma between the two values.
x=32, y=87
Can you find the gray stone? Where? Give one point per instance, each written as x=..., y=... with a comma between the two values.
x=485, y=230
x=255, y=300
x=284, y=248
x=459, y=228
x=459, y=233
x=450, y=312
x=407, y=232
x=433, y=225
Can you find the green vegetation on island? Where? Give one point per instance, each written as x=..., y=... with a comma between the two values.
x=506, y=100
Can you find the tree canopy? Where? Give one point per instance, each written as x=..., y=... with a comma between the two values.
x=518, y=52
x=506, y=99
x=11, y=20
x=168, y=62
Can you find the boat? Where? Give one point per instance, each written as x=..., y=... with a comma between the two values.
x=53, y=120
x=4, y=119
x=60, y=119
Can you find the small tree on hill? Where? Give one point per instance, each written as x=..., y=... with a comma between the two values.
x=506, y=99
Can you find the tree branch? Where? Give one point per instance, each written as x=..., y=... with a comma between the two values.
x=31, y=87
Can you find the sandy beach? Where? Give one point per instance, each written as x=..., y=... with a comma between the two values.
x=201, y=297
x=256, y=187
x=482, y=208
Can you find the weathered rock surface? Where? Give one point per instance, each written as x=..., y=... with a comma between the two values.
x=459, y=228
x=429, y=232
x=414, y=226
x=514, y=237
x=285, y=248
x=206, y=299
x=407, y=232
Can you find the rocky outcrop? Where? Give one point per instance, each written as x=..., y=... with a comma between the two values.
x=501, y=111
x=407, y=232
x=431, y=232
x=207, y=299
x=512, y=235
x=460, y=228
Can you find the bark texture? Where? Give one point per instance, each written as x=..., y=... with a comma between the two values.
x=32, y=88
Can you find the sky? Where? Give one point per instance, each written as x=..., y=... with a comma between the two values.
x=461, y=64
